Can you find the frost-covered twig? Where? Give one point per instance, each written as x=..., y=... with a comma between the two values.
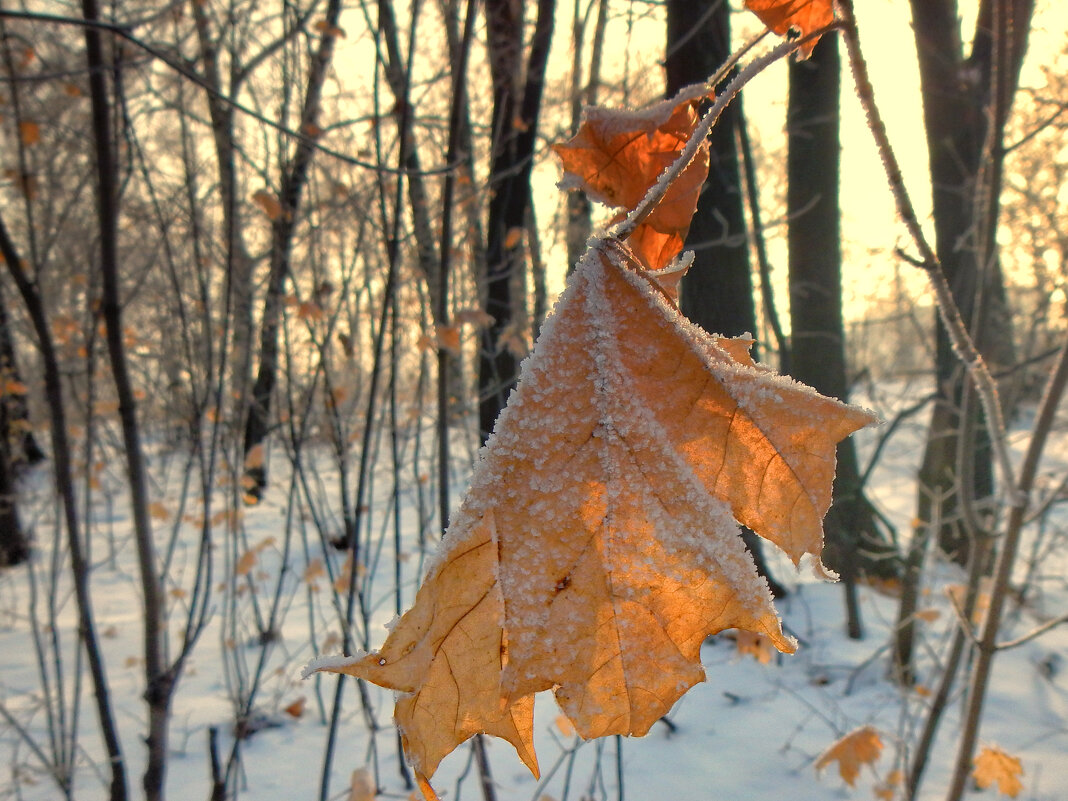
x=963, y=344
x=656, y=192
x=1037, y=631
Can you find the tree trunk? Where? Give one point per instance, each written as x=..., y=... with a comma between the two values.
x=583, y=93
x=283, y=229
x=63, y=473
x=956, y=96
x=16, y=429
x=514, y=126
x=17, y=447
x=854, y=543
x=717, y=292
x=965, y=106
x=14, y=542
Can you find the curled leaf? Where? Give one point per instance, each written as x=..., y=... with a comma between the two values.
x=617, y=155
x=804, y=16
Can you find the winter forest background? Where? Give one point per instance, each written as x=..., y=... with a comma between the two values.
x=269, y=271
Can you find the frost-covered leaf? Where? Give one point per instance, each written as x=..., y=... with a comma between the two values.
x=597, y=546
x=994, y=765
x=805, y=16
x=860, y=747
x=617, y=155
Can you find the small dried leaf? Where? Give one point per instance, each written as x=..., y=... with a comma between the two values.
x=246, y=562
x=805, y=16
x=362, y=786
x=326, y=29
x=476, y=317
x=448, y=338
x=994, y=765
x=512, y=238
x=310, y=310
x=254, y=457
x=29, y=132
x=268, y=204
x=756, y=645
x=296, y=709
x=159, y=510
x=618, y=155
x=12, y=386
x=860, y=747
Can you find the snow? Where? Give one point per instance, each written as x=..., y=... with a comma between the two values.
x=751, y=732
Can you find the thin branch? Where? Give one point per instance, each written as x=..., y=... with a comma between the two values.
x=126, y=32
x=648, y=204
x=963, y=344
x=1038, y=631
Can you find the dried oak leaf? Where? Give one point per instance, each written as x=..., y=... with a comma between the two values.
x=994, y=765
x=597, y=546
x=617, y=155
x=860, y=747
x=804, y=15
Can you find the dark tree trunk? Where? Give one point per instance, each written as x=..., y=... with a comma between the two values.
x=283, y=230
x=957, y=103
x=965, y=106
x=717, y=292
x=19, y=439
x=14, y=542
x=515, y=121
x=62, y=465
x=854, y=543
x=17, y=447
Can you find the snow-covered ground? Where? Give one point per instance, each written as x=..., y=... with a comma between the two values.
x=752, y=732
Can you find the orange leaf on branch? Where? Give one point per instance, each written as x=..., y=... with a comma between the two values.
x=805, y=16
x=597, y=546
x=618, y=155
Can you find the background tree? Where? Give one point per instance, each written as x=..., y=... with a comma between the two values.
x=518, y=85
x=964, y=121
x=966, y=101
x=717, y=290
x=855, y=544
